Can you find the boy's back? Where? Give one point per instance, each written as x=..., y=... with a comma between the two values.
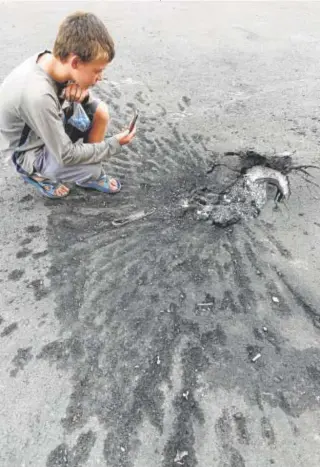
x=19, y=94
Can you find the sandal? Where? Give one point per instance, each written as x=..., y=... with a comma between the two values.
x=105, y=188
x=45, y=187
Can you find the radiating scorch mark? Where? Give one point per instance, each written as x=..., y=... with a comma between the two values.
x=129, y=299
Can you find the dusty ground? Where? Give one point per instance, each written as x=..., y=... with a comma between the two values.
x=133, y=347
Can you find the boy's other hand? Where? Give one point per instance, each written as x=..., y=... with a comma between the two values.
x=125, y=137
x=73, y=93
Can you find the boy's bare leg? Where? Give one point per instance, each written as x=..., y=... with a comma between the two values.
x=99, y=129
x=100, y=124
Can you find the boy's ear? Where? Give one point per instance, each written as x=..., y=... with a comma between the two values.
x=75, y=60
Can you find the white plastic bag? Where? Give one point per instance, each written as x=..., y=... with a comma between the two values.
x=79, y=118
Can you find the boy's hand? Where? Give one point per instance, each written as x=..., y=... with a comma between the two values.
x=73, y=93
x=125, y=137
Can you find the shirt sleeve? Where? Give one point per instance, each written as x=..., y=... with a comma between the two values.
x=44, y=116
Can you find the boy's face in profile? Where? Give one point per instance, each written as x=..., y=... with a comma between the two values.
x=87, y=74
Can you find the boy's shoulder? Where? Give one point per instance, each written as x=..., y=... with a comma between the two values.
x=28, y=80
x=21, y=71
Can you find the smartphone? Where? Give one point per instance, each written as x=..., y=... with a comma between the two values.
x=135, y=118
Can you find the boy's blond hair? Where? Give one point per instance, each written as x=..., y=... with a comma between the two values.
x=84, y=35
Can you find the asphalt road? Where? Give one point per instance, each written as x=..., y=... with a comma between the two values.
x=133, y=346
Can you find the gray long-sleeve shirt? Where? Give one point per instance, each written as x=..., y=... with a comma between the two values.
x=30, y=96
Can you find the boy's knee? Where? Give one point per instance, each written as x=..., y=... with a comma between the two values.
x=102, y=113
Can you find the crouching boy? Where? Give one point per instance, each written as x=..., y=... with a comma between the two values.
x=51, y=137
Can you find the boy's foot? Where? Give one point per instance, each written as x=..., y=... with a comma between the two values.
x=103, y=184
x=46, y=187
